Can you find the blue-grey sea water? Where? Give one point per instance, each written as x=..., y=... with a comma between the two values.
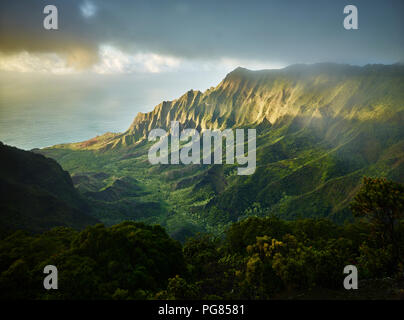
x=40, y=111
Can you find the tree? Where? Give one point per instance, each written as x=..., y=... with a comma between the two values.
x=382, y=203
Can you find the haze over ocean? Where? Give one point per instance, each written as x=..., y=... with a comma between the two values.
x=37, y=111
x=109, y=60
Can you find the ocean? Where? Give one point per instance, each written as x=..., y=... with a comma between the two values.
x=38, y=111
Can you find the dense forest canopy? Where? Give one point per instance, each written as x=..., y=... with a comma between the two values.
x=257, y=258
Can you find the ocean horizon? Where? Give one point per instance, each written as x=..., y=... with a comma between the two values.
x=32, y=114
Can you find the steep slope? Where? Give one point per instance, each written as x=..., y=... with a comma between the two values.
x=322, y=95
x=36, y=194
x=321, y=128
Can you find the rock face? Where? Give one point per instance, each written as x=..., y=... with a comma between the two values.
x=36, y=194
x=322, y=95
x=320, y=129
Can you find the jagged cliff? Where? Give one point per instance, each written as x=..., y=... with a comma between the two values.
x=321, y=128
x=262, y=98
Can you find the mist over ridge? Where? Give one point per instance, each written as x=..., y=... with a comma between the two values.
x=322, y=94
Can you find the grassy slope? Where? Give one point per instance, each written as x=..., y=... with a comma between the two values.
x=36, y=194
x=321, y=128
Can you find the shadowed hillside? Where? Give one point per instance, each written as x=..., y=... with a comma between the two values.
x=36, y=194
x=320, y=129
x=324, y=95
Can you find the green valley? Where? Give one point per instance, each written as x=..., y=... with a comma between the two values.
x=327, y=193
x=320, y=129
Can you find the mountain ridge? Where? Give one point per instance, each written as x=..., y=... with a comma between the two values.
x=251, y=98
x=320, y=129
x=36, y=194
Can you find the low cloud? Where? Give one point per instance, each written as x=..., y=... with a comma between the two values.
x=110, y=60
x=158, y=35
x=40, y=63
x=113, y=60
x=88, y=9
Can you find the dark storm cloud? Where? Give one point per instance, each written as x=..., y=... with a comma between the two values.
x=288, y=31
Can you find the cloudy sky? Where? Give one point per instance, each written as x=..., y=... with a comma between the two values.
x=174, y=45
x=156, y=36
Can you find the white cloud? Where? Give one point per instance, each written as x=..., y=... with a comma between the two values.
x=113, y=60
x=232, y=63
x=88, y=9
x=40, y=63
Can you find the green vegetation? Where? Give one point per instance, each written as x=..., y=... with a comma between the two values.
x=258, y=258
x=320, y=130
x=285, y=231
x=382, y=203
x=36, y=194
x=128, y=260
